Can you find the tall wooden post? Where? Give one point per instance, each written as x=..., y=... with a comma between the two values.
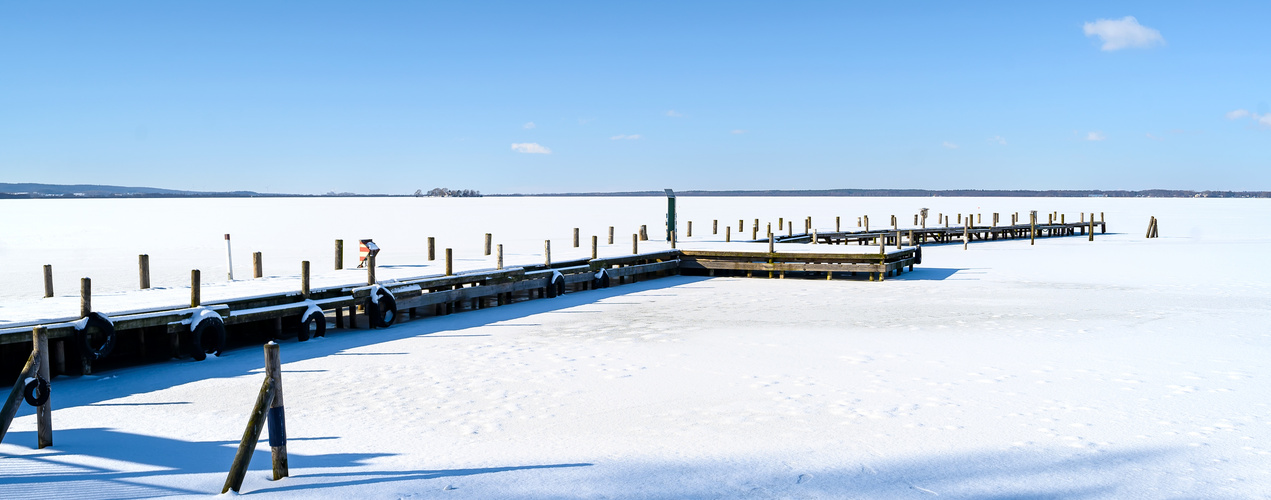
x=498, y=262
x=339, y=255
x=690, y=229
x=44, y=412
x=143, y=270
x=450, y=262
x=575, y=237
x=595, y=246
x=277, y=414
x=257, y=266
x=229, y=259
x=635, y=244
x=790, y=227
x=195, y=282
x=715, y=226
x=370, y=269
x=48, y=280
x=85, y=307
x=771, y=239
x=1091, y=231
x=432, y=248
x=304, y=279
x=644, y=232
x=866, y=218
x=1032, y=225
x=838, y=224
x=728, y=234
x=610, y=235
x=489, y=239
x=547, y=253
x=672, y=238
x=754, y=233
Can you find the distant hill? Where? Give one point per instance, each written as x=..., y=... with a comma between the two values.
x=32, y=190
x=1027, y=193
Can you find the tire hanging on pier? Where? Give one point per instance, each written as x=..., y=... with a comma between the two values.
x=96, y=323
x=207, y=338
x=556, y=286
x=36, y=391
x=314, y=324
x=601, y=280
x=383, y=311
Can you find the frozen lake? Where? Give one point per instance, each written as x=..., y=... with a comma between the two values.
x=1122, y=368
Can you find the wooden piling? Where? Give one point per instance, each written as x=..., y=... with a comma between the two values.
x=690, y=231
x=143, y=271
x=547, y=253
x=339, y=255
x=277, y=419
x=304, y=279
x=644, y=232
x=838, y=224
x=432, y=248
x=257, y=265
x=595, y=247
x=575, y=237
x=635, y=244
x=1090, y=232
x=1032, y=231
x=672, y=238
x=370, y=269
x=85, y=297
x=498, y=262
x=790, y=230
x=247, y=445
x=489, y=240
x=195, y=299
x=728, y=234
x=450, y=262
x=44, y=412
x=715, y=226
x=754, y=232
x=866, y=217
x=770, y=242
x=781, y=222
x=48, y=280
x=610, y=235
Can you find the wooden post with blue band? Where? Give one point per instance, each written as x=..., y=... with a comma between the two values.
x=277, y=417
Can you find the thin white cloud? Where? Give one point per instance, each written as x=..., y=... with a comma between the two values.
x=1123, y=33
x=998, y=139
x=949, y=145
x=1237, y=114
x=673, y=113
x=1095, y=136
x=738, y=131
x=624, y=137
x=1263, y=119
x=529, y=125
x=530, y=147
x=1154, y=137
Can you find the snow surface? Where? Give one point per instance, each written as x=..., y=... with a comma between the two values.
x=1122, y=368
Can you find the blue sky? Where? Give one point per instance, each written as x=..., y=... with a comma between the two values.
x=389, y=97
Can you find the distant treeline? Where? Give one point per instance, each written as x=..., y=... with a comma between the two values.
x=927, y=193
x=449, y=193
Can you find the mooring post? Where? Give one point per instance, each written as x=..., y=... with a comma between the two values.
x=715, y=226
x=247, y=445
x=370, y=269
x=143, y=270
x=450, y=263
x=771, y=240
x=85, y=307
x=257, y=266
x=866, y=218
x=277, y=416
x=635, y=244
x=575, y=237
x=339, y=255
x=754, y=233
x=790, y=227
x=838, y=224
x=1090, y=233
x=966, y=232
x=195, y=282
x=672, y=238
x=229, y=259
x=728, y=234
x=48, y=280
x=741, y=226
x=489, y=239
x=690, y=230
x=1032, y=224
x=304, y=279
x=781, y=222
x=644, y=232
x=432, y=248
x=498, y=261
x=44, y=412
x=595, y=246
x=610, y=235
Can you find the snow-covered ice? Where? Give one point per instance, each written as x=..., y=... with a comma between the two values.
x=1122, y=368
